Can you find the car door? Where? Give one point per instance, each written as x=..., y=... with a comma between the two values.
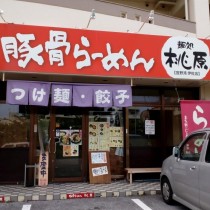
x=204, y=183
x=186, y=169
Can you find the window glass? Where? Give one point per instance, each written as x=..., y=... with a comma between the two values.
x=172, y=96
x=106, y=133
x=192, y=148
x=14, y=126
x=207, y=159
x=144, y=126
x=145, y=95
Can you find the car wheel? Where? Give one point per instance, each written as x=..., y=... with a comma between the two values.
x=166, y=191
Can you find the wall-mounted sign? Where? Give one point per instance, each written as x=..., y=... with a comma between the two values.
x=185, y=58
x=149, y=127
x=35, y=49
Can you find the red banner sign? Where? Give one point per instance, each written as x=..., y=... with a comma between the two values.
x=195, y=115
x=80, y=195
x=60, y=51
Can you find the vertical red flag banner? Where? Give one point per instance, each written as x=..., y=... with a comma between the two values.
x=195, y=115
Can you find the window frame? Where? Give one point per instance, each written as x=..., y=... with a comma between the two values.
x=196, y=155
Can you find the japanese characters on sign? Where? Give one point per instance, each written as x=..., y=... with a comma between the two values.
x=65, y=51
x=195, y=115
x=35, y=93
x=150, y=127
x=80, y=195
x=58, y=47
x=186, y=58
x=99, y=171
x=43, y=169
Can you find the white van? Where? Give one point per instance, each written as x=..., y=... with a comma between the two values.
x=185, y=175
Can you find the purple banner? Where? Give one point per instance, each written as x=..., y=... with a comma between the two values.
x=83, y=96
x=102, y=96
x=39, y=94
x=122, y=96
x=61, y=95
x=17, y=92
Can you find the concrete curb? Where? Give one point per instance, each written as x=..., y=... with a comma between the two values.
x=63, y=196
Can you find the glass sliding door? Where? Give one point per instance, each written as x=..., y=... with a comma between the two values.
x=67, y=145
x=145, y=136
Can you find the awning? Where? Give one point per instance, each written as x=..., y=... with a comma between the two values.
x=64, y=94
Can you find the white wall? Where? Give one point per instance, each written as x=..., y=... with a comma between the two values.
x=19, y=12
x=199, y=13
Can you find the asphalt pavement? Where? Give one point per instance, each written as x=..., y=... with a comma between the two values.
x=144, y=202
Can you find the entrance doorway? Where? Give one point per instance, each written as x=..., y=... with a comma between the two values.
x=61, y=133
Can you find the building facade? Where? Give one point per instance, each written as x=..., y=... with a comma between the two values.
x=95, y=76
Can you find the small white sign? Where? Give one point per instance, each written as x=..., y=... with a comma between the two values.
x=149, y=127
x=98, y=157
x=99, y=171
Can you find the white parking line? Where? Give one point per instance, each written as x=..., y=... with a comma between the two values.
x=26, y=207
x=141, y=204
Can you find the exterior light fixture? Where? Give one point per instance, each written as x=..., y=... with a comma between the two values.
x=151, y=16
x=92, y=16
x=1, y=15
x=131, y=82
x=150, y=19
x=3, y=77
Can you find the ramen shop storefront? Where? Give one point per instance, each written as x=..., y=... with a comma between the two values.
x=46, y=95
x=70, y=120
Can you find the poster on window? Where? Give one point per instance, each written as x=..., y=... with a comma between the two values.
x=116, y=131
x=64, y=136
x=116, y=142
x=149, y=127
x=99, y=133
x=76, y=137
x=103, y=135
x=195, y=115
x=116, y=136
x=70, y=150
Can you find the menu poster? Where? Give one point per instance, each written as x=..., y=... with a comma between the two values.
x=70, y=150
x=104, y=145
x=64, y=136
x=98, y=157
x=76, y=137
x=116, y=131
x=93, y=129
x=116, y=142
x=99, y=134
x=93, y=136
x=74, y=150
x=103, y=130
x=93, y=144
x=66, y=150
x=103, y=135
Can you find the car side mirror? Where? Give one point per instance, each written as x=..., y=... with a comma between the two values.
x=176, y=152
